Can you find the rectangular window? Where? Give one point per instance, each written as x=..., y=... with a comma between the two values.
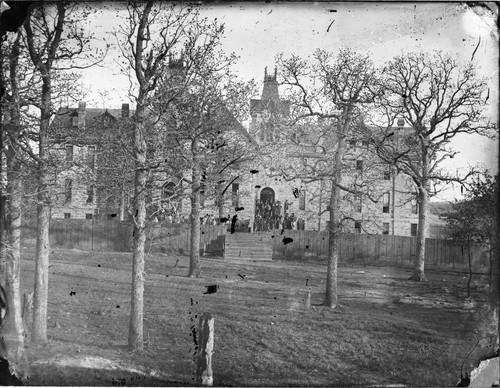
x=302, y=200
x=386, y=202
x=91, y=157
x=358, y=203
x=69, y=155
x=387, y=173
x=413, y=230
x=74, y=121
x=235, y=197
x=90, y=193
x=68, y=189
x=385, y=228
x=88, y=216
x=414, y=205
x=359, y=165
x=357, y=227
x=202, y=198
x=67, y=215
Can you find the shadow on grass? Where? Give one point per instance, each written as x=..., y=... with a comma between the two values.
x=72, y=375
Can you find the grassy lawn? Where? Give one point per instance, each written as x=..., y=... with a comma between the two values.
x=386, y=330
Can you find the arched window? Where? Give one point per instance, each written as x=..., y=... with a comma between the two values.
x=267, y=195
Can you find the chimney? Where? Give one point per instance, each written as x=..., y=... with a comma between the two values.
x=125, y=110
x=81, y=114
x=401, y=122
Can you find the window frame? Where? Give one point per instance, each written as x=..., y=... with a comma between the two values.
x=69, y=154
x=386, y=205
x=68, y=190
x=302, y=200
x=90, y=193
x=235, y=195
x=358, y=203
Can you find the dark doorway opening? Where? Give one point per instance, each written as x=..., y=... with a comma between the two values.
x=267, y=195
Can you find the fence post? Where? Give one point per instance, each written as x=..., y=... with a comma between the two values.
x=204, y=375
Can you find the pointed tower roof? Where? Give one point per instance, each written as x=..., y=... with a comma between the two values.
x=270, y=90
x=270, y=98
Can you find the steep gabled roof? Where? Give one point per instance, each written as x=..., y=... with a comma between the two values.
x=62, y=128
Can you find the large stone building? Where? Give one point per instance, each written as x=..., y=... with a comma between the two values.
x=394, y=212
x=391, y=208
x=84, y=187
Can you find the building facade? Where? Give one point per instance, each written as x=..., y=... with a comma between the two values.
x=261, y=196
x=85, y=179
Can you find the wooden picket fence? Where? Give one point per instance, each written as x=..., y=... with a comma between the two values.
x=305, y=245
x=375, y=249
x=116, y=236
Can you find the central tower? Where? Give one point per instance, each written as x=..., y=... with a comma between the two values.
x=267, y=111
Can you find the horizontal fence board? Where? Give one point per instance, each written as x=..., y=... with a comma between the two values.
x=116, y=236
x=375, y=249
x=306, y=245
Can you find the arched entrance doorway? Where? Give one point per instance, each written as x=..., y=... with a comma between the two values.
x=267, y=195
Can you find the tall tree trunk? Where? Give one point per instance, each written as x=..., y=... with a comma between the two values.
x=493, y=278
x=14, y=252
x=393, y=202
x=194, y=254
x=136, y=335
x=41, y=287
x=43, y=62
x=418, y=272
x=14, y=191
x=220, y=203
x=3, y=240
x=122, y=202
x=331, y=297
x=469, y=281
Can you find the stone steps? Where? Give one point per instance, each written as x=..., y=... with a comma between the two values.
x=248, y=247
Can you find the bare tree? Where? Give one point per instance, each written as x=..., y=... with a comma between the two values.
x=327, y=99
x=440, y=99
x=13, y=157
x=176, y=83
x=55, y=45
x=153, y=33
x=204, y=115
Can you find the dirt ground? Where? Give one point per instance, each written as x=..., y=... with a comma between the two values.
x=385, y=331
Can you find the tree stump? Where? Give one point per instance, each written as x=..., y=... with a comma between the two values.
x=204, y=375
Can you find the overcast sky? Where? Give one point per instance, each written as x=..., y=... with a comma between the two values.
x=257, y=32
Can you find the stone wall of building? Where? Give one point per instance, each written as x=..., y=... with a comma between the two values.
x=79, y=200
